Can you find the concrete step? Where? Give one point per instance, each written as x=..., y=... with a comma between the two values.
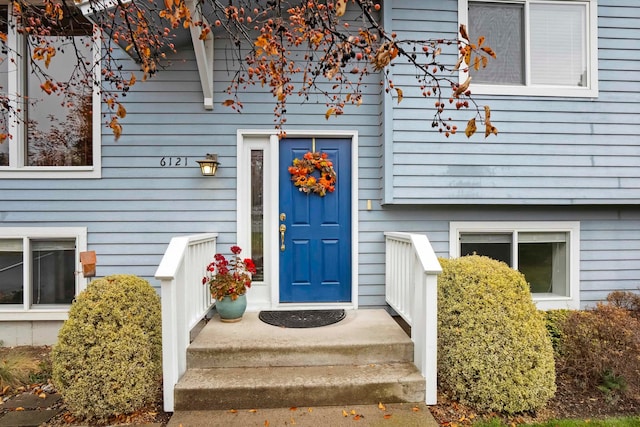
x=364, y=359
x=393, y=415
x=273, y=387
x=363, y=337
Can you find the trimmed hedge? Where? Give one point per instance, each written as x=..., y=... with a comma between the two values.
x=494, y=352
x=108, y=357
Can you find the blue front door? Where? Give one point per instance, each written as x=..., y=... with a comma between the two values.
x=315, y=232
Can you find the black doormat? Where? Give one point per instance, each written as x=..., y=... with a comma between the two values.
x=302, y=318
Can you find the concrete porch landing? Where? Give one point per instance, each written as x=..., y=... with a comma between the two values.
x=364, y=359
x=363, y=337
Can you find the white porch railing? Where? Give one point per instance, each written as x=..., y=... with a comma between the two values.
x=412, y=270
x=185, y=301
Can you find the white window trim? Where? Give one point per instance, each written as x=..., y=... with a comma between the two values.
x=17, y=168
x=266, y=296
x=28, y=313
x=572, y=228
x=589, y=91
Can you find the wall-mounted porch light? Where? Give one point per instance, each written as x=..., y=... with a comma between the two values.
x=209, y=166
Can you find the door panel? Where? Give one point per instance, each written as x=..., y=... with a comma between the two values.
x=315, y=265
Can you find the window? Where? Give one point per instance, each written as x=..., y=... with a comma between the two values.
x=257, y=213
x=38, y=268
x=543, y=47
x=53, y=135
x=546, y=253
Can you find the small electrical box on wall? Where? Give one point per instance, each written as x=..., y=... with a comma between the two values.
x=88, y=261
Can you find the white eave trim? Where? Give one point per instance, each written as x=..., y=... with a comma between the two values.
x=203, y=50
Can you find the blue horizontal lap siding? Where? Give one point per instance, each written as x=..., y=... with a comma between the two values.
x=549, y=151
x=134, y=210
x=552, y=151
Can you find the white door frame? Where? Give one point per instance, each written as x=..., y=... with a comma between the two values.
x=266, y=295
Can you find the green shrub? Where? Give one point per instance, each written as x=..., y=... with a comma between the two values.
x=554, y=321
x=601, y=349
x=108, y=357
x=494, y=352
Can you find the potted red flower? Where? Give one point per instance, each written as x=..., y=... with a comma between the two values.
x=228, y=281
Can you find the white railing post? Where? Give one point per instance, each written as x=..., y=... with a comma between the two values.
x=412, y=291
x=185, y=301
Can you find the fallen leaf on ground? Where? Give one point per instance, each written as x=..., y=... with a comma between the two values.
x=253, y=411
x=344, y=413
x=382, y=407
x=386, y=416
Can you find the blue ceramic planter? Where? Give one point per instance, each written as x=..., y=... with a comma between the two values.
x=230, y=310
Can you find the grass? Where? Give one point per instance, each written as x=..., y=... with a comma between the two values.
x=609, y=422
x=16, y=368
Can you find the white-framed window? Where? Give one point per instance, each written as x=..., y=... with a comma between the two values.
x=543, y=47
x=547, y=253
x=51, y=135
x=39, y=271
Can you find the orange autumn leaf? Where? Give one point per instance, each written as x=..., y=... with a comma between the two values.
x=463, y=32
x=489, y=51
x=293, y=408
x=344, y=413
x=122, y=112
x=400, y=94
x=382, y=407
x=228, y=102
x=462, y=88
x=489, y=128
x=47, y=87
x=233, y=411
x=386, y=416
x=467, y=55
x=329, y=113
x=471, y=128
x=116, y=128
x=253, y=411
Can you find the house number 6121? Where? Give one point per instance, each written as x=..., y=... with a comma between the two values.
x=173, y=162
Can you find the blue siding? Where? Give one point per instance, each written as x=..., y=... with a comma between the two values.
x=553, y=151
x=551, y=154
x=137, y=206
x=609, y=246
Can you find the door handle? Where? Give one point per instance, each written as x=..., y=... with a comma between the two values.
x=283, y=228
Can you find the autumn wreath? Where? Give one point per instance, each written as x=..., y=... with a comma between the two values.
x=302, y=174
